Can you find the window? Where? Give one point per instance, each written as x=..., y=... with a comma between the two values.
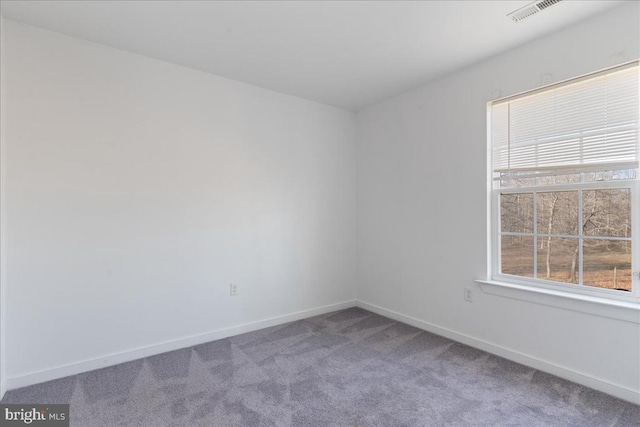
x=565, y=202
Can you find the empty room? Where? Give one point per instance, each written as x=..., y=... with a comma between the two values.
x=320, y=213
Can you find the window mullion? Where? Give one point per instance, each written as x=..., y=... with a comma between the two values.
x=580, y=240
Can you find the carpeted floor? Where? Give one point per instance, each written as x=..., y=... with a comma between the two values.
x=349, y=368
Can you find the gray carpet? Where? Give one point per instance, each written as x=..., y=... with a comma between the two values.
x=349, y=368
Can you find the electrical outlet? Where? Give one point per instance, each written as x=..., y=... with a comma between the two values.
x=233, y=289
x=468, y=294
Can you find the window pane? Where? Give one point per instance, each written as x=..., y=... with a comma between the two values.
x=558, y=259
x=516, y=214
x=607, y=263
x=557, y=212
x=509, y=181
x=517, y=255
x=607, y=212
x=610, y=175
x=559, y=179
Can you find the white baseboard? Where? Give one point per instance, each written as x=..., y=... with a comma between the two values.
x=138, y=353
x=621, y=392
x=127, y=356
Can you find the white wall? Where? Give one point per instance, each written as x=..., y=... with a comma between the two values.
x=422, y=211
x=137, y=190
x=134, y=191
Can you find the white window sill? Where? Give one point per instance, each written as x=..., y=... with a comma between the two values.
x=620, y=310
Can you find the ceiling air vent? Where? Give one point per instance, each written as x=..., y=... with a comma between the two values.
x=531, y=9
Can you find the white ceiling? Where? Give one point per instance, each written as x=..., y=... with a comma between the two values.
x=349, y=54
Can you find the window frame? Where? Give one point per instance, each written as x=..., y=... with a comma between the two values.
x=494, y=274
x=495, y=253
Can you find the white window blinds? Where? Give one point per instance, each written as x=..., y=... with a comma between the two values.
x=582, y=125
